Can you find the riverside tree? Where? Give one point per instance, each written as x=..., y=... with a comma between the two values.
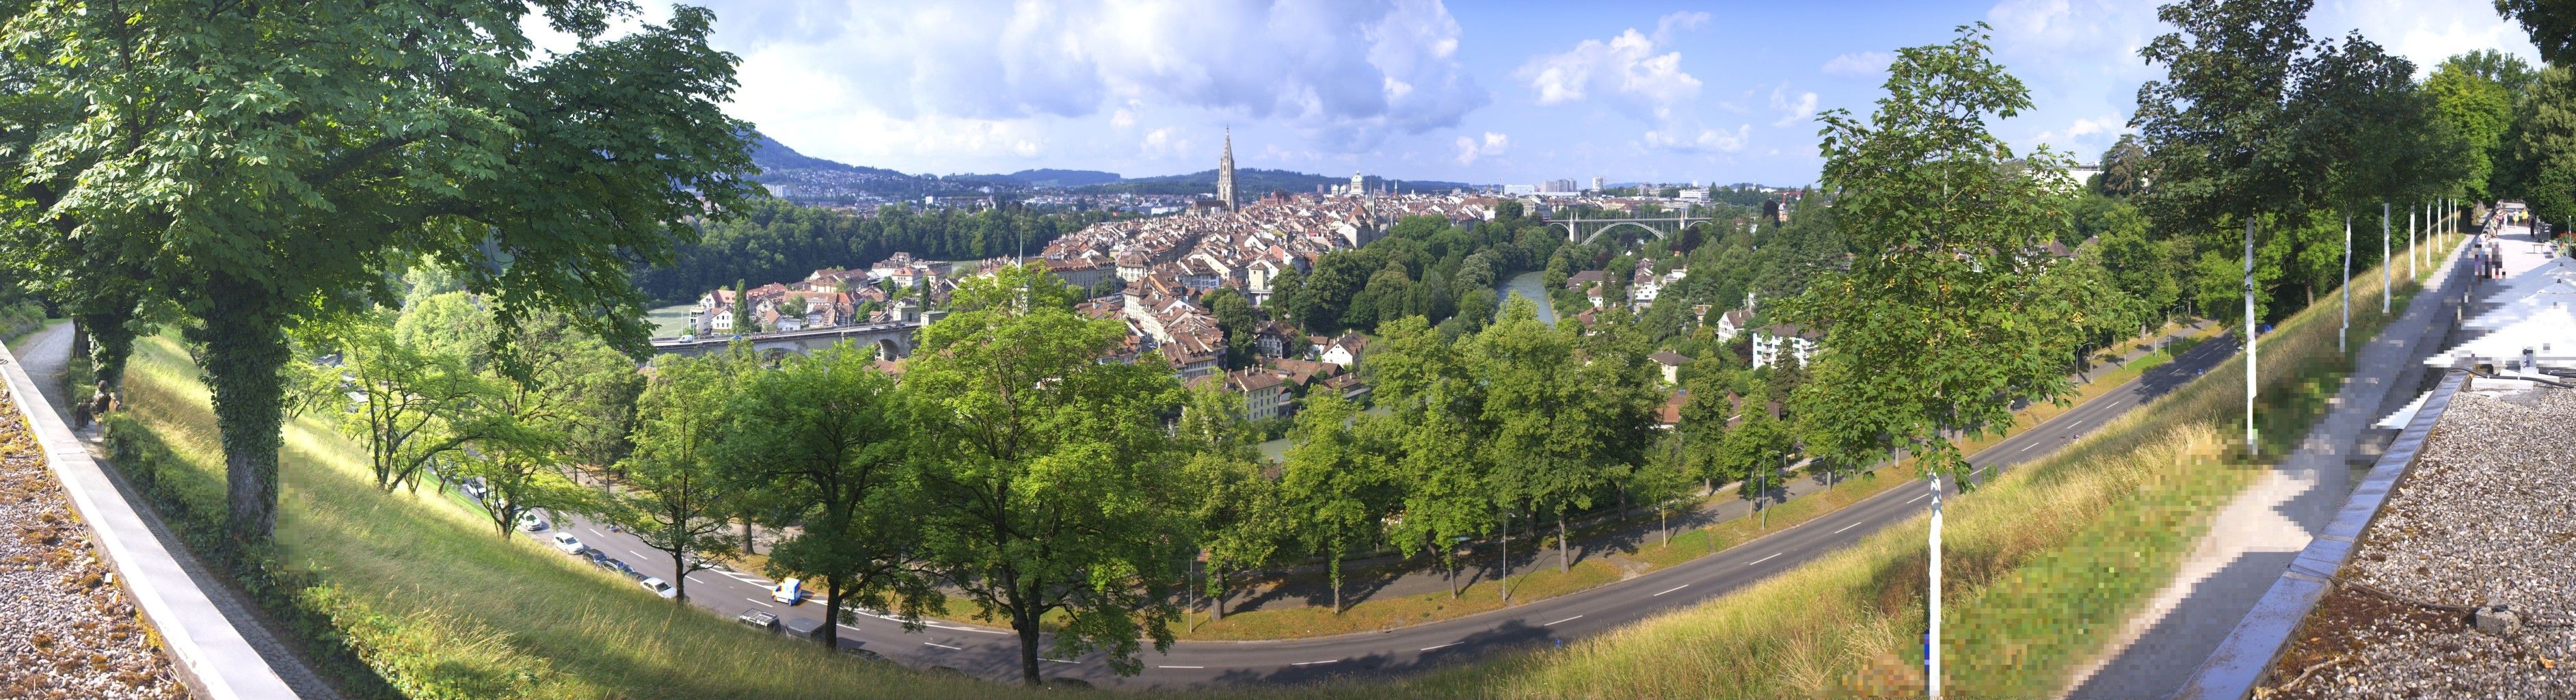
x=821, y=439
x=274, y=165
x=1240, y=523
x=1053, y=484
x=409, y=403
x=1335, y=484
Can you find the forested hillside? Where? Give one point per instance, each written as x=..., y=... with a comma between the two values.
x=773, y=241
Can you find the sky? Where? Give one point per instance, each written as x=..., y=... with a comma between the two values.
x=1480, y=92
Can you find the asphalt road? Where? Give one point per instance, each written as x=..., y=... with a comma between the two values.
x=994, y=653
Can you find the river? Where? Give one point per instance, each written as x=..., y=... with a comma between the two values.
x=1534, y=286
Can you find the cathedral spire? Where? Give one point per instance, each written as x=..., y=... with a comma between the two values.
x=1225, y=172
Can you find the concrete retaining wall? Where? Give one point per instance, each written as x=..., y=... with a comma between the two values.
x=208, y=651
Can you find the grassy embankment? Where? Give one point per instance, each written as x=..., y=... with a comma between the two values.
x=1597, y=569
x=434, y=605
x=2040, y=567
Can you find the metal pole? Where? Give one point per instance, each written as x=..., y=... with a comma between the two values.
x=1932, y=637
x=2346, y=329
x=2251, y=325
x=2384, y=289
x=2412, y=252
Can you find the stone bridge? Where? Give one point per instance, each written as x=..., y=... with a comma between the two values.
x=889, y=340
x=1581, y=230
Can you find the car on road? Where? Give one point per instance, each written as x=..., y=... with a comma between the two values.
x=568, y=543
x=789, y=591
x=472, y=487
x=597, y=558
x=530, y=522
x=755, y=618
x=610, y=563
x=658, y=587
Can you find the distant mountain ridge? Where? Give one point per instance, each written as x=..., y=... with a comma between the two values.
x=777, y=159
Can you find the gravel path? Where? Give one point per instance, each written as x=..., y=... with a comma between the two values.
x=2485, y=518
x=66, y=631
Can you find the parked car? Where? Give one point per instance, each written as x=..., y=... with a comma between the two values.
x=789, y=591
x=637, y=575
x=658, y=587
x=568, y=543
x=597, y=558
x=758, y=619
x=473, y=488
x=530, y=522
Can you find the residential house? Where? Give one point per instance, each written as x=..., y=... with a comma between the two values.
x=1345, y=351
x=1778, y=343
x=1732, y=323
x=1671, y=363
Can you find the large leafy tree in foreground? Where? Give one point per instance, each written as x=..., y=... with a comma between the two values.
x=1056, y=487
x=1942, y=324
x=267, y=167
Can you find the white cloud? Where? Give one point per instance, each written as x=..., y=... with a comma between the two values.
x=1632, y=73
x=2424, y=31
x=1792, y=109
x=1346, y=75
x=1706, y=141
x=1469, y=149
x=1859, y=65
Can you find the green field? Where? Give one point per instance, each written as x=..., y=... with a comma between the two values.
x=669, y=321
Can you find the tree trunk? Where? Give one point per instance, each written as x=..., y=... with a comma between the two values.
x=679, y=563
x=1216, y=602
x=1505, y=577
x=1564, y=559
x=1337, y=582
x=1027, y=626
x=746, y=537
x=831, y=612
x=1664, y=522
x=245, y=348
x=110, y=343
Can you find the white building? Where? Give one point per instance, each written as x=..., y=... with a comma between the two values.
x=1783, y=341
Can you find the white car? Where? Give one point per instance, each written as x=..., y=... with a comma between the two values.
x=790, y=591
x=569, y=544
x=530, y=522
x=658, y=587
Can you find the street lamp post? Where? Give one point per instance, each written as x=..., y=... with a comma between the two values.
x=2251, y=337
x=1932, y=635
x=2346, y=329
x=2384, y=289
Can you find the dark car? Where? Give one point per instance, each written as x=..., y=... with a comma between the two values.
x=610, y=563
x=755, y=618
x=809, y=629
x=597, y=558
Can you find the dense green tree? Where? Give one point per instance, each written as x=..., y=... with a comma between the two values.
x=2552, y=26
x=2478, y=107
x=354, y=140
x=1233, y=313
x=676, y=497
x=2541, y=146
x=412, y=403
x=1336, y=483
x=1050, y=472
x=822, y=440
x=1942, y=326
x=776, y=241
x=1240, y=520
x=1560, y=427
x=451, y=324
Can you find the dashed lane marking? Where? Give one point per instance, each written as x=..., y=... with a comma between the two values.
x=1311, y=663
x=1847, y=527
x=944, y=646
x=756, y=601
x=1570, y=619
x=1180, y=667
x=1764, y=559
x=1442, y=646
x=1669, y=590
x=1917, y=498
x=2026, y=448
x=1060, y=661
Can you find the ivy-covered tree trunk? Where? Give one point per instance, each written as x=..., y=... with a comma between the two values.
x=245, y=350
x=110, y=339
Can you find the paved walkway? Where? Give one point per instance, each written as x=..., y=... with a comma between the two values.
x=2254, y=537
x=1363, y=579
x=45, y=354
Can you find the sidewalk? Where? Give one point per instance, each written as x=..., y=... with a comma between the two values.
x=2254, y=537
x=1306, y=585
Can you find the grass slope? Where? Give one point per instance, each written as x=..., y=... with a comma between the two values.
x=2042, y=564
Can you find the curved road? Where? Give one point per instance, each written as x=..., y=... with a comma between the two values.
x=994, y=653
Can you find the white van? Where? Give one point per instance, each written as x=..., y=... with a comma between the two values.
x=790, y=591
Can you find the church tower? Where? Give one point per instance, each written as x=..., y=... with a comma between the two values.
x=1225, y=172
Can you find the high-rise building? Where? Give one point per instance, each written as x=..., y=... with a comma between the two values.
x=1598, y=184
x=1225, y=172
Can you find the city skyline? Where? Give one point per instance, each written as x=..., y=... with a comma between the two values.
x=1487, y=93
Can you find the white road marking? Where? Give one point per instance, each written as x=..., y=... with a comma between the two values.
x=1570, y=619
x=1918, y=498
x=1442, y=646
x=1061, y=661
x=1847, y=527
x=1180, y=667
x=1669, y=590
x=1311, y=663
x=2026, y=448
x=1764, y=559
x=756, y=601
x=944, y=646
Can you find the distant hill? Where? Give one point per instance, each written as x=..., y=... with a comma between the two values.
x=1049, y=177
x=1255, y=182
x=773, y=157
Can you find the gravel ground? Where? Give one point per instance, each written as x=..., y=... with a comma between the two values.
x=2487, y=517
x=66, y=631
